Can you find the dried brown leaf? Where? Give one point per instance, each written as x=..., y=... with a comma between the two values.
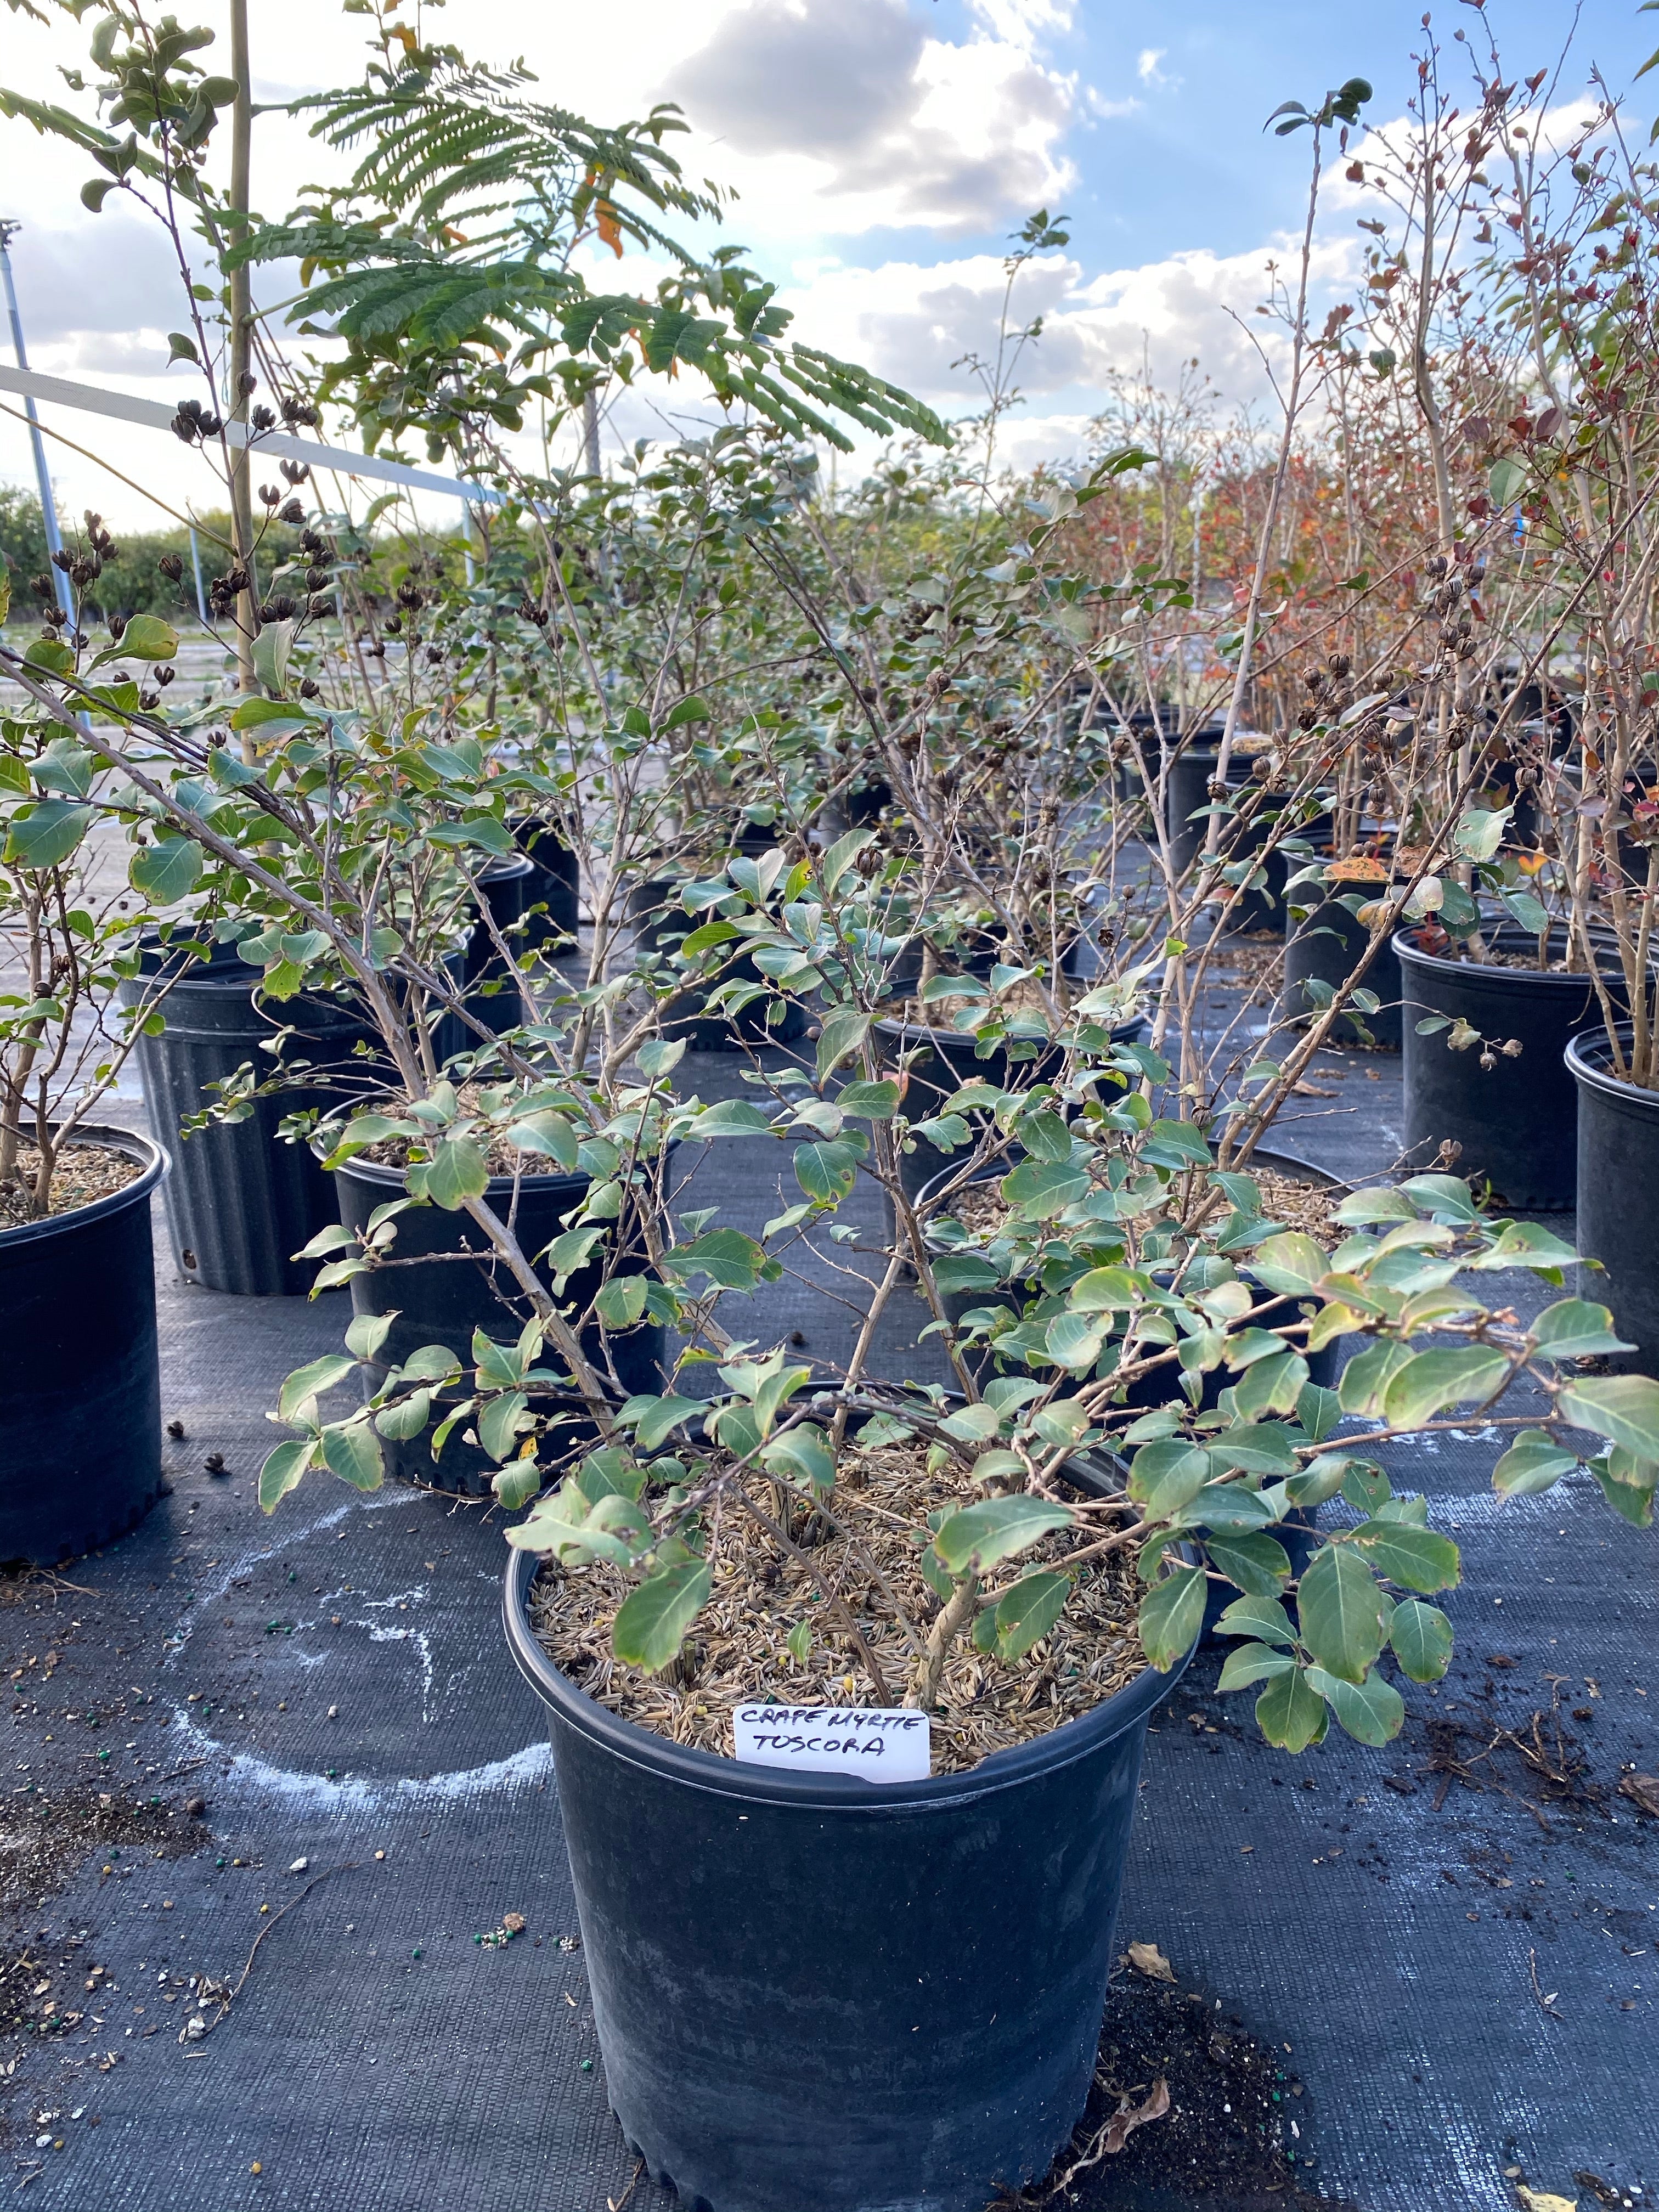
x=1643, y=1790
x=1147, y=1958
x=1128, y=2117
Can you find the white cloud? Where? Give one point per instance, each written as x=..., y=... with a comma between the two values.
x=911, y=322
x=838, y=122
x=1147, y=69
x=1021, y=22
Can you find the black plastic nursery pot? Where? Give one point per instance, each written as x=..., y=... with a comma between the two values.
x=1326, y=948
x=1618, y=1193
x=1516, y=1121
x=1149, y=1390
x=951, y=1060
x=507, y=887
x=444, y=1303
x=555, y=883
x=80, y=1380
x=1262, y=906
x=240, y=1202
x=814, y=1994
x=659, y=922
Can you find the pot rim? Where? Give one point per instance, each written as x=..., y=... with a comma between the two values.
x=505, y=868
x=381, y=1171
x=894, y=1026
x=135, y=1144
x=1406, y=948
x=1584, y=1070
x=817, y=1793
x=1323, y=1178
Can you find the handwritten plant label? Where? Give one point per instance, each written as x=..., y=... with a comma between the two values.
x=874, y=1745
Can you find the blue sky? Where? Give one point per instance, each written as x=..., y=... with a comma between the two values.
x=883, y=148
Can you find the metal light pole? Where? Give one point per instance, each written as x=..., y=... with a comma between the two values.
x=8, y=230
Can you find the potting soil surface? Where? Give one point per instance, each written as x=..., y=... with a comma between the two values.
x=291, y=1754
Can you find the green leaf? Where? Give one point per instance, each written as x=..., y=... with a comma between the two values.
x=310, y=1381
x=1178, y=1142
x=826, y=1171
x=620, y=1302
x=269, y=719
x=1422, y=1639
x=652, y=1620
x=1291, y=1264
x=367, y=1332
x=1271, y=1386
x=549, y=1134
x=166, y=872
x=44, y=835
x=1372, y=1712
x=972, y=1423
x=1318, y=1410
x=1532, y=1462
x=1290, y=1713
x=660, y=1056
x=1430, y=1381
x=1171, y=1614
x=405, y=1419
x=1074, y=1340
x=1624, y=1408
x=1026, y=1614
x=283, y=1470
x=872, y=1101
x=335, y=1238
x=1572, y=1328
x=657, y=1418
x=1045, y=1135
x=1367, y=1376
x=457, y=1172
x=517, y=1484
x=50, y=655
x=1480, y=832
x=1415, y=1558
x=729, y=1118
x=1252, y=1662
x=1256, y=1562
x=803, y=1451
x=352, y=1450
x=1506, y=480
x=1106, y=1290
x=180, y=345
x=841, y=1035
x=498, y=1424
x=1261, y=1617
x=1344, y=1615
x=1039, y=1189
x=1166, y=1474
x=1320, y=1478
x=1634, y=1501
x=726, y=1256
x=688, y=710
x=972, y=1539
x=147, y=637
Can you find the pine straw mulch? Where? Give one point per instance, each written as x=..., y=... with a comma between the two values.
x=736, y=1649
x=84, y=1173
x=939, y=1013
x=501, y=1158
x=982, y=1210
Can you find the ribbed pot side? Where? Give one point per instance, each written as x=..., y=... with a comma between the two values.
x=1619, y=1195
x=79, y=1377
x=817, y=1994
x=1516, y=1121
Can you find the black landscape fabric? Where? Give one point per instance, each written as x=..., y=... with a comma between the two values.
x=1438, y=1961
